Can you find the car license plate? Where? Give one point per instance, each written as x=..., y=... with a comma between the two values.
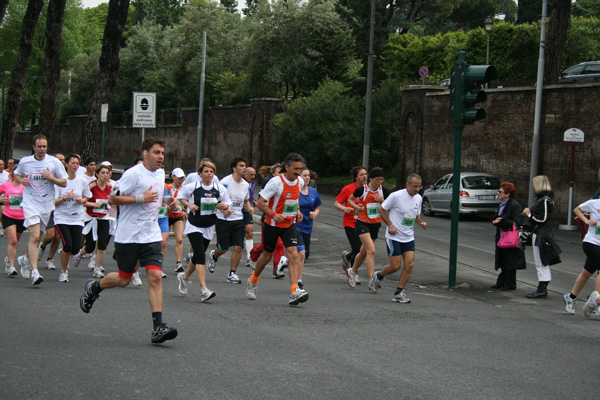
x=491, y=197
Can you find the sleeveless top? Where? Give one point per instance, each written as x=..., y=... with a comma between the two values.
x=286, y=204
x=207, y=201
x=370, y=214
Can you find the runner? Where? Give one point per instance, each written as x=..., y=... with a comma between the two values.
x=3, y=178
x=279, y=203
x=400, y=212
x=359, y=174
x=310, y=204
x=11, y=163
x=231, y=228
x=369, y=199
x=89, y=172
x=69, y=213
x=38, y=173
x=177, y=219
x=138, y=235
x=12, y=220
x=249, y=177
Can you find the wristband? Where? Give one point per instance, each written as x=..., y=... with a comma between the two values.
x=139, y=198
x=272, y=215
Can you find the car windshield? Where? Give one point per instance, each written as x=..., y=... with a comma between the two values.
x=576, y=70
x=592, y=69
x=480, y=182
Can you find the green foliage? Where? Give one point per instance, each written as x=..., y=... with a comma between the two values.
x=586, y=8
x=162, y=12
x=583, y=41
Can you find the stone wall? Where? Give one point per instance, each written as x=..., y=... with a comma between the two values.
x=501, y=145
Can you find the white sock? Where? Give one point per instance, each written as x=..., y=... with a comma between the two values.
x=249, y=246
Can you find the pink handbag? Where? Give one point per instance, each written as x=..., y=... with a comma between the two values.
x=509, y=239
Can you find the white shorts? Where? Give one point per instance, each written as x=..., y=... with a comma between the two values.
x=33, y=217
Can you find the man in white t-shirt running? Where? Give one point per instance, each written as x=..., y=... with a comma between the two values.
x=138, y=235
x=38, y=173
x=401, y=211
x=231, y=228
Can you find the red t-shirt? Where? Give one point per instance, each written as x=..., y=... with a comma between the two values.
x=99, y=194
x=342, y=198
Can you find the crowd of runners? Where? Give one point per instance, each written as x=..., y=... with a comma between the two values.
x=73, y=208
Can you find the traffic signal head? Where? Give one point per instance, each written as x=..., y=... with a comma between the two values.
x=474, y=77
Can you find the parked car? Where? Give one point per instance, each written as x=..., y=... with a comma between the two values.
x=586, y=72
x=478, y=194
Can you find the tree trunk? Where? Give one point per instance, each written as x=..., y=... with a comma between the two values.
x=107, y=76
x=3, y=7
x=15, y=92
x=54, y=23
x=555, y=44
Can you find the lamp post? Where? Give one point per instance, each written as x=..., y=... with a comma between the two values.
x=489, y=23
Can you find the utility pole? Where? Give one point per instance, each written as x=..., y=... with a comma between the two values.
x=367, y=135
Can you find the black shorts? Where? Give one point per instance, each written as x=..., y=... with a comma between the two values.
x=230, y=233
x=272, y=233
x=50, y=221
x=592, y=262
x=172, y=220
x=127, y=255
x=363, y=227
x=248, y=219
x=8, y=221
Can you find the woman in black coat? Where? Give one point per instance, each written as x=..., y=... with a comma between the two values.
x=508, y=260
x=545, y=248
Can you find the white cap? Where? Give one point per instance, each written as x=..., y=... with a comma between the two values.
x=107, y=163
x=178, y=172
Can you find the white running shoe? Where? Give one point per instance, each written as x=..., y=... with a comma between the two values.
x=251, y=290
x=98, y=273
x=6, y=262
x=283, y=264
x=10, y=270
x=401, y=298
x=183, y=283
x=25, y=266
x=1, y=231
x=212, y=263
x=351, y=277
x=299, y=296
x=50, y=265
x=76, y=260
x=163, y=275
x=92, y=263
x=591, y=304
x=569, y=304
x=36, y=278
x=207, y=295
x=135, y=279
x=64, y=276
x=233, y=278
x=188, y=258
x=41, y=252
x=179, y=267
x=375, y=283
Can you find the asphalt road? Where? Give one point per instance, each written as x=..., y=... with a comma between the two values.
x=467, y=342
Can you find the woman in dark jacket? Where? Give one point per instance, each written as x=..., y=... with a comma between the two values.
x=545, y=248
x=508, y=260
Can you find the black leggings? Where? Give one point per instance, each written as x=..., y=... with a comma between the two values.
x=103, y=237
x=70, y=235
x=199, y=244
x=354, y=241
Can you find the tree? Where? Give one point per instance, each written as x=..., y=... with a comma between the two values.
x=163, y=12
x=230, y=5
x=529, y=11
x=15, y=92
x=107, y=76
x=51, y=80
x=3, y=7
x=586, y=8
x=555, y=44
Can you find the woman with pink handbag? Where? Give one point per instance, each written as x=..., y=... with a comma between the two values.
x=507, y=219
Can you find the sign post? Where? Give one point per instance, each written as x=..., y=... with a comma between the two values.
x=572, y=138
x=103, y=119
x=423, y=71
x=144, y=111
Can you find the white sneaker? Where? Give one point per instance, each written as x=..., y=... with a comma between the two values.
x=76, y=260
x=41, y=252
x=183, y=283
x=188, y=258
x=179, y=267
x=25, y=266
x=64, y=276
x=299, y=296
x=86, y=255
x=233, y=278
x=135, y=279
x=591, y=304
x=351, y=277
x=401, y=298
x=6, y=262
x=36, y=278
x=98, y=273
x=211, y=262
x=251, y=290
x=50, y=265
x=283, y=264
x=163, y=274
x=1, y=231
x=10, y=270
x=569, y=304
x=207, y=295
x=92, y=263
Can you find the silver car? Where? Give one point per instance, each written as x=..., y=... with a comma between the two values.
x=478, y=194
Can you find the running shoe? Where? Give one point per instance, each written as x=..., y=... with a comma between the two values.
x=356, y=280
x=401, y=298
x=25, y=266
x=375, y=283
x=283, y=264
x=188, y=258
x=163, y=333
x=98, y=273
x=345, y=260
x=591, y=304
x=233, y=278
x=86, y=255
x=178, y=267
x=183, y=283
x=36, y=278
x=207, y=295
x=299, y=296
x=351, y=277
x=251, y=290
x=92, y=263
x=211, y=264
x=301, y=285
x=64, y=276
x=6, y=262
x=41, y=251
x=278, y=276
x=76, y=260
x=1, y=231
x=88, y=298
x=596, y=312
x=248, y=263
x=569, y=304
x=163, y=275
x=10, y=270
x=50, y=265
x=135, y=279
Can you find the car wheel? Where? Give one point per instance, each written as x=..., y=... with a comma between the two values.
x=427, y=208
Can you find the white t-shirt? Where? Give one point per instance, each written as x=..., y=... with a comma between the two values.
x=238, y=193
x=138, y=222
x=194, y=177
x=3, y=176
x=187, y=193
x=69, y=212
x=593, y=233
x=39, y=193
x=88, y=178
x=403, y=210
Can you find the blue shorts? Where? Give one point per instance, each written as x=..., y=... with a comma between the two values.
x=164, y=224
x=395, y=248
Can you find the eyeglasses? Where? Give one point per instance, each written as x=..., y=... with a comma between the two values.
x=500, y=191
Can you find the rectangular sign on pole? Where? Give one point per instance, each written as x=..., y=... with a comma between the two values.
x=144, y=110
x=104, y=113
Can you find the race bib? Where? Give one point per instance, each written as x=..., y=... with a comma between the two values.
x=208, y=205
x=597, y=230
x=14, y=201
x=162, y=212
x=290, y=208
x=103, y=209
x=236, y=205
x=409, y=222
x=373, y=210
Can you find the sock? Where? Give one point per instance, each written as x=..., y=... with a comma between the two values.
x=203, y=288
x=572, y=296
x=231, y=272
x=293, y=288
x=49, y=259
x=249, y=246
x=300, y=285
x=379, y=276
x=254, y=278
x=179, y=262
x=157, y=318
x=398, y=291
x=95, y=288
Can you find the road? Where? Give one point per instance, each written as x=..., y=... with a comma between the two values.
x=467, y=342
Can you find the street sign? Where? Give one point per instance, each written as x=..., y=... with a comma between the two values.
x=144, y=110
x=573, y=137
x=104, y=113
x=423, y=71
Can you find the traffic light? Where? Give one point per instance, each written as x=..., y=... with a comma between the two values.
x=474, y=77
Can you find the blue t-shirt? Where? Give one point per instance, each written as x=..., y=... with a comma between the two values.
x=307, y=204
